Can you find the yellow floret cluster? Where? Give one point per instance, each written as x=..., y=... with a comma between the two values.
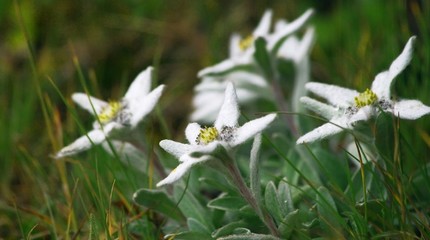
x=109, y=112
x=246, y=42
x=207, y=135
x=365, y=98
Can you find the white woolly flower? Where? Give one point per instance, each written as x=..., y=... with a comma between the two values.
x=115, y=118
x=252, y=85
x=346, y=107
x=242, y=49
x=204, y=141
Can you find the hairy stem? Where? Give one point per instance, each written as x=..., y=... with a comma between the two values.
x=282, y=106
x=246, y=193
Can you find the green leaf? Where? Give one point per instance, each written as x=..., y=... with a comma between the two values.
x=250, y=236
x=187, y=236
x=218, y=184
x=272, y=202
x=158, y=201
x=196, y=226
x=289, y=223
x=227, y=229
x=254, y=168
x=358, y=224
x=262, y=57
x=191, y=207
x=285, y=198
x=227, y=203
x=328, y=214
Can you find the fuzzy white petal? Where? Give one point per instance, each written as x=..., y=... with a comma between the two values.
x=410, y=109
x=140, y=108
x=289, y=28
x=229, y=113
x=242, y=78
x=183, y=168
x=140, y=86
x=263, y=26
x=239, y=78
x=245, y=58
x=322, y=109
x=383, y=81
x=321, y=132
x=83, y=143
x=209, y=84
x=296, y=50
x=210, y=97
x=175, y=148
x=235, y=45
x=192, y=132
x=379, y=85
x=403, y=60
x=280, y=24
x=338, y=96
x=205, y=149
x=217, y=68
x=89, y=103
x=245, y=95
x=249, y=129
x=363, y=114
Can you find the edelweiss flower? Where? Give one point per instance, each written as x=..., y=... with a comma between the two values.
x=204, y=141
x=242, y=49
x=348, y=107
x=115, y=118
x=252, y=85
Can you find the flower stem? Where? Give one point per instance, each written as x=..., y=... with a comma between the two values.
x=246, y=193
x=282, y=106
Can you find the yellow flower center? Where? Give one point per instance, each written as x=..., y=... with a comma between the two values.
x=109, y=112
x=207, y=135
x=246, y=42
x=365, y=98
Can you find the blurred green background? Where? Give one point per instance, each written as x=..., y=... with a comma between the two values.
x=44, y=43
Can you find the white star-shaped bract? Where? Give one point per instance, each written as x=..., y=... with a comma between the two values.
x=115, y=119
x=242, y=49
x=342, y=110
x=226, y=133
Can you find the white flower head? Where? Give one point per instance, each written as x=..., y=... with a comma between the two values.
x=204, y=141
x=115, y=118
x=253, y=85
x=242, y=49
x=346, y=107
